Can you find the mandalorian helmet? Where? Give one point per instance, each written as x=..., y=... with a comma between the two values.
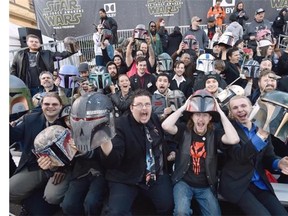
x=56, y=142
x=202, y=102
x=227, y=39
x=68, y=75
x=251, y=69
x=191, y=42
x=224, y=96
x=100, y=78
x=164, y=62
x=106, y=34
x=19, y=95
x=175, y=99
x=205, y=63
x=92, y=120
x=71, y=44
x=140, y=32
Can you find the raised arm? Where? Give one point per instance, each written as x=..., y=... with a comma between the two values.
x=230, y=136
x=169, y=124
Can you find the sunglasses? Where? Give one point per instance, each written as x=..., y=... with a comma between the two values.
x=152, y=26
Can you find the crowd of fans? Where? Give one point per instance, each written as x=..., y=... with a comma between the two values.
x=180, y=102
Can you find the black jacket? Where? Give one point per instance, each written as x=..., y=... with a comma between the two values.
x=25, y=133
x=127, y=161
x=242, y=160
x=149, y=82
x=45, y=62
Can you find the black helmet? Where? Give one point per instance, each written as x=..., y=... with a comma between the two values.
x=91, y=117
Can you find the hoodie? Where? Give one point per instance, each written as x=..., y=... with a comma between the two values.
x=236, y=29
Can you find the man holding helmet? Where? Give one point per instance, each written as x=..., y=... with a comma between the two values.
x=195, y=173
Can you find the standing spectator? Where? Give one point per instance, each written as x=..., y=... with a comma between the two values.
x=243, y=180
x=241, y=14
x=155, y=38
x=163, y=33
x=97, y=39
x=211, y=27
x=144, y=48
x=235, y=28
x=218, y=13
x=174, y=40
x=279, y=22
x=199, y=33
x=109, y=23
x=29, y=63
x=134, y=159
x=257, y=24
x=195, y=174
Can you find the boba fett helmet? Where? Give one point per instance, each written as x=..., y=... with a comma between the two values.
x=55, y=142
x=19, y=96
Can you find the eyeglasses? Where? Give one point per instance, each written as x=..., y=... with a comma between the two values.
x=141, y=106
x=51, y=104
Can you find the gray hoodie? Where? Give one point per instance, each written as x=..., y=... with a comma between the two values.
x=236, y=29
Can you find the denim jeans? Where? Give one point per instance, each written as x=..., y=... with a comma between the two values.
x=122, y=196
x=99, y=60
x=183, y=194
x=85, y=196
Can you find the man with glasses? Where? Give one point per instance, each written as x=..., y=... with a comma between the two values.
x=28, y=177
x=134, y=159
x=199, y=33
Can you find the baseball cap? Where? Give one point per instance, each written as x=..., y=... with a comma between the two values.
x=211, y=19
x=259, y=10
x=83, y=67
x=196, y=18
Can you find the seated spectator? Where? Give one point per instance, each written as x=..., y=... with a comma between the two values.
x=121, y=98
x=243, y=180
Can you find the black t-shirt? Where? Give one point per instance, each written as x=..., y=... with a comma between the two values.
x=33, y=70
x=196, y=174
